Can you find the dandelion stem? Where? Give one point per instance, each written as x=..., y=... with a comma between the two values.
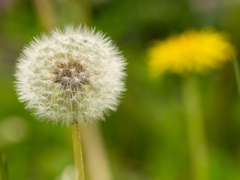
x=195, y=129
x=237, y=73
x=3, y=166
x=77, y=152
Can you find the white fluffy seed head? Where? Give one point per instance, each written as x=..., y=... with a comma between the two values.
x=74, y=75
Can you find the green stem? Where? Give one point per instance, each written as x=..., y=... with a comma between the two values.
x=237, y=73
x=3, y=166
x=195, y=129
x=77, y=152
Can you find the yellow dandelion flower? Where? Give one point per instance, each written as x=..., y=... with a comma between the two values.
x=191, y=51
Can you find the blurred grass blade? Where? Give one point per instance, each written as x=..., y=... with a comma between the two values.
x=96, y=158
x=237, y=73
x=45, y=14
x=3, y=166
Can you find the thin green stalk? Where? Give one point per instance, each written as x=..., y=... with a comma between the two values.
x=3, y=166
x=237, y=73
x=195, y=129
x=77, y=152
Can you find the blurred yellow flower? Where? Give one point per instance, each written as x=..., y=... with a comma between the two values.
x=191, y=51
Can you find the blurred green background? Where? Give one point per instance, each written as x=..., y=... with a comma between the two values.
x=146, y=138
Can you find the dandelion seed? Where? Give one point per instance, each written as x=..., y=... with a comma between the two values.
x=74, y=74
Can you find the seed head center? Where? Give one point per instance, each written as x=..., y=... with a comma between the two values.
x=71, y=75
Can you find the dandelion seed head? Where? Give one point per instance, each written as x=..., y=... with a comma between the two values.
x=74, y=74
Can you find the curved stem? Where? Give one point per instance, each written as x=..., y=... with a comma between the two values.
x=237, y=73
x=77, y=152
